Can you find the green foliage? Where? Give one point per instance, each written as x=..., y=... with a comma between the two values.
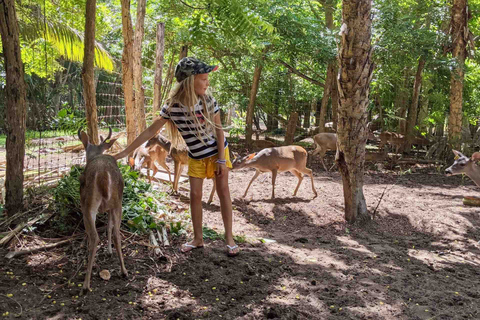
x=142, y=208
x=69, y=120
x=238, y=127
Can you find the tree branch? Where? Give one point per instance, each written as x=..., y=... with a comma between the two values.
x=186, y=4
x=301, y=75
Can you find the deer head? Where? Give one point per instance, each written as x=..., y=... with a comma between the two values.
x=462, y=163
x=93, y=150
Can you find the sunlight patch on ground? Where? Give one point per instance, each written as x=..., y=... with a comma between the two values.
x=354, y=245
x=446, y=259
x=43, y=258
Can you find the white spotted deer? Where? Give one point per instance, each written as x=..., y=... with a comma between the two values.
x=277, y=159
x=101, y=190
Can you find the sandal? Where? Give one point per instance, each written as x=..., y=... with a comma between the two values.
x=233, y=251
x=187, y=247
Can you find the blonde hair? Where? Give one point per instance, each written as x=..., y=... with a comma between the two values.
x=184, y=93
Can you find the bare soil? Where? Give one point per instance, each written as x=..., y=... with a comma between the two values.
x=418, y=259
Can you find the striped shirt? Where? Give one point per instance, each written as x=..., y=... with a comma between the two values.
x=189, y=129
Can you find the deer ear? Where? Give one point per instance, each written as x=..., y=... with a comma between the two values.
x=457, y=154
x=108, y=143
x=476, y=156
x=84, y=138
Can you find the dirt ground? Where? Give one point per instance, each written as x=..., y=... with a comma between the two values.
x=418, y=259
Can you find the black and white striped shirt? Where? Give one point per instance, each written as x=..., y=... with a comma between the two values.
x=189, y=129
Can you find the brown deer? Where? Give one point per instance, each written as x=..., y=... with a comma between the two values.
x=324, y=141
x=465, y=165
x=146, y=155
x=277, y=159
x=101, y=190
x=180, y=159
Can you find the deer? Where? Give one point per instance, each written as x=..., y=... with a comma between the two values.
x=101, y=190
x=324, y=141
x=146, y=155
x=180, y=159
x=277, y=159
x=465, y=165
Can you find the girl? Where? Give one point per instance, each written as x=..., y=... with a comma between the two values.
x=192, y=114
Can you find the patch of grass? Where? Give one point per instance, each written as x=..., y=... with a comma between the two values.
x=214, y=235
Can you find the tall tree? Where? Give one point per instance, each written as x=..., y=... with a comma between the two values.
x=88, y=76
x=355, y=74
x=159, y=60
x=137, y=66
x=460, y=33
x=253, y=96
x=16, y=106
x=127, y=71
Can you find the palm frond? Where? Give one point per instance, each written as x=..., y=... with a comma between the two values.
x=68, y=42
x=237, y=21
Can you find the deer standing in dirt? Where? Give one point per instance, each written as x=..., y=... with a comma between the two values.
x=101, y=190
x=277, y=159
x=465, y=165
x=146, y=155
x=180, y=159
x=324, y=141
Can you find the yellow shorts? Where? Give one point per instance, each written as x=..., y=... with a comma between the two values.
x=205, y=168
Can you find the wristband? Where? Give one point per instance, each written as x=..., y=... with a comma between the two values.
x=221, y=161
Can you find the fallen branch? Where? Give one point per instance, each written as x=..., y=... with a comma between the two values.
x=13, y=254
x=154, y=242
x=164, y=236
x=21, y=226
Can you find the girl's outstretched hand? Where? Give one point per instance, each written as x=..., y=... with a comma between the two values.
x=221, y=169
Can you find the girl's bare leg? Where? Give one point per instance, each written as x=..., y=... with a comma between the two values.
x=196, y=192
x=225, y=206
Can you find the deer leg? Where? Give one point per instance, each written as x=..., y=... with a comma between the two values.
x=274, y=177
x=109, y=231
x=300, y=179
x=89, y=221
x=178, y=172
x=310, y=173
x=164, y=165
x=212, y=194
x=155, y=170
x=257, y=173
x=321, y=158
x=117, y=219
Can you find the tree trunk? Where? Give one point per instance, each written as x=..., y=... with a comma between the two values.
x=330, y=81
x=88, y=75
x=334, y=95
x=412, y=112
x=306, y=116
x=127, y=71
x=16, y=107
x=326, y=95
x=401, y=102
x=137, y=66
x=275, y=120
x=183, y=52
x=458, y=26
x=423, y=113
x=253, y=96
x=167, y=84
x=157, y=85
x=356, y=69
x=291, y=128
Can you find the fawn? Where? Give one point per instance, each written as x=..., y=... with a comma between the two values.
x=180, y=159
x=146, y=155
x=277, y=159
x=101, y=190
